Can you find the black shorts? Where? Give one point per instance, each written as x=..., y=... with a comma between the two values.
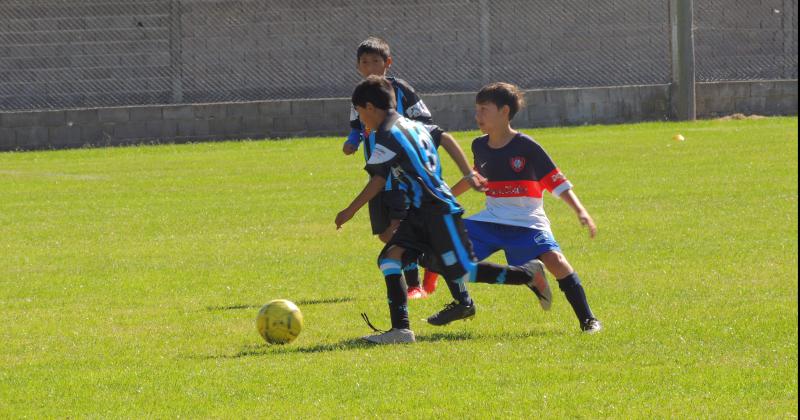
x=387, y=206
x=443, y=240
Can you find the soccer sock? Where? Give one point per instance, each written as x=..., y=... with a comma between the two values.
x=500, y=274
x=411, y=274
x=396, y=292
x=429, y=281
x=572, y=288
x=458, y=289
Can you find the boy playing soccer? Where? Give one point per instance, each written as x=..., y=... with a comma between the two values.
x=390, y=207
x=518, y=170
x=404, y=149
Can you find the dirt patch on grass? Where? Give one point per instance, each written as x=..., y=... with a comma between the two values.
x=739, y=116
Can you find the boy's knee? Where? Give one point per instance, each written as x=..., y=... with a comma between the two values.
x=554, y=260
x=394, y=253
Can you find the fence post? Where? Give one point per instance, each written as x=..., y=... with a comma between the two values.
x=175, y=59
x=683, y=72
x=485, y=24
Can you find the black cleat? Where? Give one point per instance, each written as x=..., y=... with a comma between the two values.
x=591, y=326
x=453, y=311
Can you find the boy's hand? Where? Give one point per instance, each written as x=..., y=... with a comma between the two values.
x=586, y=220
x=349, y=149
x=478, y=182
x=343, y=217
x=389, y=232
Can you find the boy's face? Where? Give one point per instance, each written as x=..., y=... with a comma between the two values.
x=370, y=115
x=373, y=65
x=489, y=117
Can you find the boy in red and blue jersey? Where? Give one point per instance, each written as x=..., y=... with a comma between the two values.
x=518, y=171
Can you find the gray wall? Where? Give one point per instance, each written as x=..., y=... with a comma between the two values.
x=266, y=119
x=93, y=53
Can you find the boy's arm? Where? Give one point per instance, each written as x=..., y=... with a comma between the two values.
x=350, y=145
x=461, y=186
x=584, y=217
x=471, y=178
x=375, y=185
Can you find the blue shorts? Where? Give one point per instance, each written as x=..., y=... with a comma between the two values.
x=520, y=244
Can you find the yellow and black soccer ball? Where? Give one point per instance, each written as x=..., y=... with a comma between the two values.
x=279, y=321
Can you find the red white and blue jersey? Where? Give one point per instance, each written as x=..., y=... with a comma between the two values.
x=518, y=174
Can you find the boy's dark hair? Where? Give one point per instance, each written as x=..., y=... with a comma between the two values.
x=374, y=45
x=376, y=90
x=502, y=94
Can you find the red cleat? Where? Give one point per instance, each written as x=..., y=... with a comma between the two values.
x=416, y=293
x=429, y=281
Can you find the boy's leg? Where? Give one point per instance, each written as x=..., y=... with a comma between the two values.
x=451, y=243
x=396, y=205
x=391, y=267
x=570, y=284
x=482, y=244
x=411, y=274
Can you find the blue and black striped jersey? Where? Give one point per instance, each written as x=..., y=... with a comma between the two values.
x=403, y=150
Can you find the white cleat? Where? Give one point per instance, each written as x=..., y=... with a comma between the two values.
x=393, y=336
x=539, y=284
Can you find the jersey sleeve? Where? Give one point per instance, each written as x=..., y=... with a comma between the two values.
x=385, y=154
x=550, y=177
x=413, y=106
x=355, y=136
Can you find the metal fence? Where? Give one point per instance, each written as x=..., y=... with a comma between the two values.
x=94, y=53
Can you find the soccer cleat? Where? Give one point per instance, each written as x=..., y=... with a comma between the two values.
x=416, y=293
x=453, y=311
x=539, y=284
x=591, y=326
x=429, y=281
x=393, y=336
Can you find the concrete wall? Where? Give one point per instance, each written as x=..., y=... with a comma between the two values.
x=269, y=119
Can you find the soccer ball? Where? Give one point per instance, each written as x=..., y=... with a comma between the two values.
x=279, y=321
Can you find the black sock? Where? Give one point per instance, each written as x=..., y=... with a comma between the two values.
x=501, y=274
x=458, y=289
x=396, y=292
x=411, y=274
x=572, y=288
x=410, y=268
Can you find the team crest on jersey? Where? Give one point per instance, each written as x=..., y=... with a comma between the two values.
x=517, y=163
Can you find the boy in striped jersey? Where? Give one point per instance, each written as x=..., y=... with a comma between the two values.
x=433, y=226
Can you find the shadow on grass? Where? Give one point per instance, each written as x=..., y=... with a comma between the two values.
x=255, y=350
x=301, y=303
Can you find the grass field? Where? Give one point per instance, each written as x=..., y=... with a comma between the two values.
x=130, y=279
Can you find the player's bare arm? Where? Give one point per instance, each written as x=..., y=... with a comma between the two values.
x=583, y=215
x=471, y=178
x=370, y=191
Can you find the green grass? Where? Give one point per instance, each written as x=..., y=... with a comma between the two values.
x=130, y=279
